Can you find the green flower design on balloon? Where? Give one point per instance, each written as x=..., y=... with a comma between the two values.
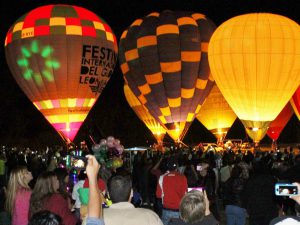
x=49, y=63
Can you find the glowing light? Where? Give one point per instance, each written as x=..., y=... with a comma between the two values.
x=25, y=52
x=68, y=127
x=47, y=51
x=48, y=75
x=255, y=129
x=34, y=47
x=52, y=64
x=23, y=62
x=38, y=79
x=28, y=74
x=177, y=128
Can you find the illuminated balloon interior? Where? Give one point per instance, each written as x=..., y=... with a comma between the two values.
x=61, y=56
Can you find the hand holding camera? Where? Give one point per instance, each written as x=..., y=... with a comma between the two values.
x=285, y=189
x=296, y=197
x=92, y=167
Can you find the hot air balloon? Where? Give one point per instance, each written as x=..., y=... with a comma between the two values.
x=61, y=56
x=254, y=59
x=295, y=102
x=157, y=130
x=277, y=125
x=216, y=115
x=164, y=61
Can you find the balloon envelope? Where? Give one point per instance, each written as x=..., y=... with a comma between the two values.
x=256, y=129
x=164, y=61
x=295, y=102
x=277, y=125
x=61, y=56
x=216, y=115
x=255, y=61
x=157, y=130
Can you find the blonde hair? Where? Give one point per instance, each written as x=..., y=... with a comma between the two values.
x=43, y=188
x=192, y=207
x=16, y=182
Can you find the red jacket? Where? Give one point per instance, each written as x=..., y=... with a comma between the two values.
x=101, y=184
x=57, y=204
x=174, y=187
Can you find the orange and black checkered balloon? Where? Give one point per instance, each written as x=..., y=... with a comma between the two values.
x=61, y=56
x=164, y=61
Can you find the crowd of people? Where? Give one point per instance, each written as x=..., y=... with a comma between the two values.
x=181, y=187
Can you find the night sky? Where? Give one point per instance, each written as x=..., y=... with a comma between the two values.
x=21, y=124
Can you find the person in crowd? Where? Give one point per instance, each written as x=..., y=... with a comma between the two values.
x=45, y=196
x=94, y=208
x=75, y=194
x=290, y=220
x=171, y=188
x=207, y=179
x=258, y=195
x=191, y=175
x=45, y=218
x=194, y=209
x=228, y=163
x=95, y=214
x=4, y=216
x=235, y=213
x=155, y=173
x=18, y=195
x=63, y=179
x=52, y=163
x=2, y=169
x=122, y=212
x=292, y=174
x=243, y=163
x=296, y=198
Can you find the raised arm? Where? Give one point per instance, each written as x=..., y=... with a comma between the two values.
x=94, y=205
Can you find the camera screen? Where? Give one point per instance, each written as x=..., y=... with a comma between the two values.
x=287, y=190
x=196, y=188
x=78, y=162
x=199, y=168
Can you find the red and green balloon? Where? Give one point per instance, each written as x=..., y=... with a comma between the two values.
x=61, y=56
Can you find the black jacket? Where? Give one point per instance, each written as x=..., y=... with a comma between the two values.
x=259, y=196
x=207, y=220
x=233, y=190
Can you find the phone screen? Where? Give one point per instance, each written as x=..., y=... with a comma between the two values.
x=199, y=168
x=286, y=189
x=196, y=188
x=78, y=162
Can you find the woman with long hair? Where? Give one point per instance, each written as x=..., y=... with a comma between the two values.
x=18, y=195
x=45, y=196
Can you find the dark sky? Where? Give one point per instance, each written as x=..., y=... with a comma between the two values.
x=21, y=123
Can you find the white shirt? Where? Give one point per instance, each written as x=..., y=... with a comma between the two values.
x=124, y=213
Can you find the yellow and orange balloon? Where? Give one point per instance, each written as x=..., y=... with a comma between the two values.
x=216, y=115
x=255, y=61
x=61, y=56
x=157, y=130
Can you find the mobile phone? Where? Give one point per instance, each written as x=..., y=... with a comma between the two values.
x=285, y=189
x=199, y=168
x=78, y=162
x=196, y=188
